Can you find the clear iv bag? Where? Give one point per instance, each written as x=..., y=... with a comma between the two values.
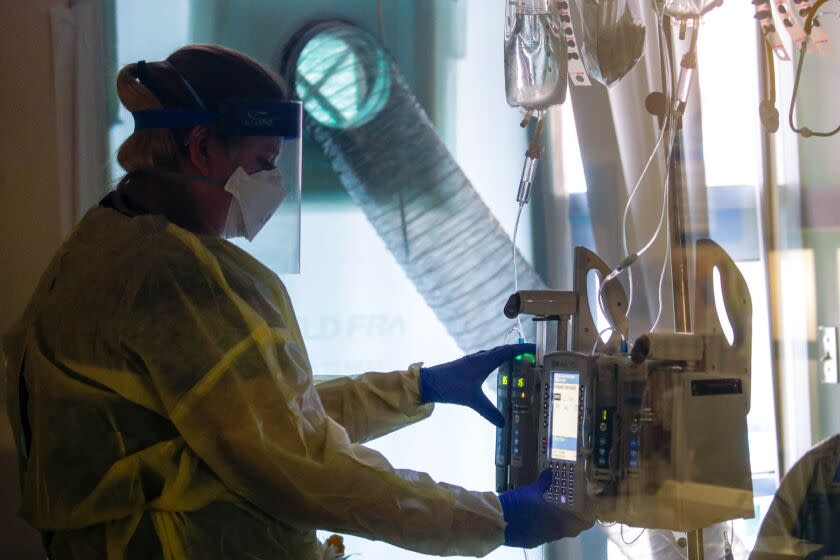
x=613, y=38
x=535, y=55
x=681, y=9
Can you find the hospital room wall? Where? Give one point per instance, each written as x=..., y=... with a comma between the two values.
x=825, y=242
x=32, y=209
x=819, y=164
x=821, y=236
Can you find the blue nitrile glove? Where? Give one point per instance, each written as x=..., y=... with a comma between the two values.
x=459, y=382
x=532, y=520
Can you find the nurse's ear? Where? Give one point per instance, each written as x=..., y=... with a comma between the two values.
x=208, y=154
x=197, y=152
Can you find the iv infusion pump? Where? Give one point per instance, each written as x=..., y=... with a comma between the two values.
x=547, y=408
x=563, y=399
x=654, y=436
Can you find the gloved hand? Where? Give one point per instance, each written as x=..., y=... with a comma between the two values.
x=459, y=382
x=532, y=521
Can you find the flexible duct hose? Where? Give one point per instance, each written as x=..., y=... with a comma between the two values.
x=390, y=159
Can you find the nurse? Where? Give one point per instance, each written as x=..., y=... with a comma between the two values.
x=160, y=391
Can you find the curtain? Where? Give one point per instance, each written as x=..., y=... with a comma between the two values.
x=83, y=45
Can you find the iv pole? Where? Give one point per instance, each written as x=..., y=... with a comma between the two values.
x=679, y=273
x=678, y=233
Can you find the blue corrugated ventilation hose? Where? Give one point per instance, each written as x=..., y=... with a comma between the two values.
x=390, y=159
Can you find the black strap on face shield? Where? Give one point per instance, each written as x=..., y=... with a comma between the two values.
x=144, y=77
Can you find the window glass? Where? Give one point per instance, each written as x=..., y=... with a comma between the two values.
x=728, y=80
x=573, y=178
x=728, y=63
x=327, y=79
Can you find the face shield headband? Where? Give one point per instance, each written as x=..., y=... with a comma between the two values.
x=236, y=117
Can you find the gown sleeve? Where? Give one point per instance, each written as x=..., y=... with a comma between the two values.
x=374, y=404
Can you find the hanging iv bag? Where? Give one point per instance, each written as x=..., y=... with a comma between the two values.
x=613, y=38
x=535, y=55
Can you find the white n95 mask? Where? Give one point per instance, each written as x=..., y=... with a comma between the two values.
x=255, y=200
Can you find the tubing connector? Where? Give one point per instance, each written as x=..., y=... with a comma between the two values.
x=529, y=170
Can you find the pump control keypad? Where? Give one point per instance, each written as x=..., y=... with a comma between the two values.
x=562, y=489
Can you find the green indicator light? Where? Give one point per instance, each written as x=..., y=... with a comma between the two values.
x=529, y=356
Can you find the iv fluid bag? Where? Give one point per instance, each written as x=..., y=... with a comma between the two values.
x=535, y=55
x=689, y=8
x=613, y=38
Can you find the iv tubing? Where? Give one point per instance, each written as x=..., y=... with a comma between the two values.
x=532, y=154
x=639, y=536
x=668, y=84
x=664, y=264
x=652, y=240
x=599, y=339
x=630, y=202
x=630, y=259
x=805, y=131
x=510, y=332
x=515, y=269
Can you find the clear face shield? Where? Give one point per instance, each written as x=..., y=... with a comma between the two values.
x=267, y=201
x=279, y=241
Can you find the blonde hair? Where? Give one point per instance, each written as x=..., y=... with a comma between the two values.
x=215, y=74
x=150, y=148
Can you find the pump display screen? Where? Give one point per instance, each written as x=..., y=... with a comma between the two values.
x=563, y=435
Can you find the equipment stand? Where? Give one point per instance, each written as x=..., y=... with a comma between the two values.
x=695, y=545
x=679, y=259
